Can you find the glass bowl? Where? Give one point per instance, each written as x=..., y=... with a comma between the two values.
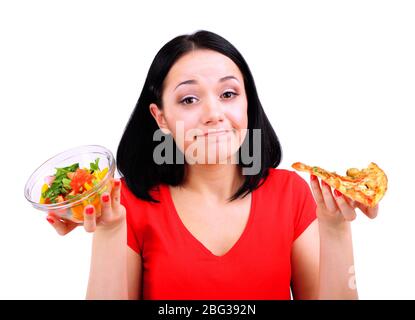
x=72, y=209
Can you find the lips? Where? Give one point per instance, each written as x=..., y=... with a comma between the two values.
x=214, y=133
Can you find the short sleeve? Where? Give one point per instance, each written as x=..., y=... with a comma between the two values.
x=304, y=206
x=127, y=200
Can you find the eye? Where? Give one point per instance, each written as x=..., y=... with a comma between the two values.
x=226, y=93
x=187, y=99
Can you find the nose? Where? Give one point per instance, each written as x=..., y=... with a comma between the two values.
x=212, y=111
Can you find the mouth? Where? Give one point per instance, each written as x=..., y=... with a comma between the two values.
x=214, y=133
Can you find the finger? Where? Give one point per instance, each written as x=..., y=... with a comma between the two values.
x=61, y=227
x=347, y=211
x=350, y=201
x=328, y=197
x=116, y=193
x=315, y=188
x=89, y=218
x=106, y=210
x=368, y=211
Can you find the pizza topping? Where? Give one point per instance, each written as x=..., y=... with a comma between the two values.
x=366, y=186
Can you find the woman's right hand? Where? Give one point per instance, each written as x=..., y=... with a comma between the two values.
x=112, y=214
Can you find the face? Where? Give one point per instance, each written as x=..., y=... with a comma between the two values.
x=204, y=107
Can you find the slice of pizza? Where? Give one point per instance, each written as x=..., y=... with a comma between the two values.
x=366, y=186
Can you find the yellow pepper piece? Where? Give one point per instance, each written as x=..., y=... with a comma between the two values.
x=96, y=174
x=103, y=173
x=44, y=188
x=87, y=186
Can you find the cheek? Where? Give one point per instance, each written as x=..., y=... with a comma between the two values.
x=180, y=125
x=175, y=120
x=238, y=117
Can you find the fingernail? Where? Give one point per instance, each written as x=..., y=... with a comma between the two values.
x=50, y=220
x=117, y=183
x=337, y=193
x=105, y=198
x=89, y=210
x=313, y=177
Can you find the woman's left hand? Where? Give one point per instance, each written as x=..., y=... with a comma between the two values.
x=338, y=208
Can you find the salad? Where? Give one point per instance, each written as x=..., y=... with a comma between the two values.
x=70, y=182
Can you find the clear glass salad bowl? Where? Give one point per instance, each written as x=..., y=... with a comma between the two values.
x=71, y=206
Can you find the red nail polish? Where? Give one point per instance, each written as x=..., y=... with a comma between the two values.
x=89, y=210
x=313, y=177
x=105, y=198
x=337, y=193
x=117, y=183
x=50, y=220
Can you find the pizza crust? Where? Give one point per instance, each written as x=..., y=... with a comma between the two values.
x=366, y=186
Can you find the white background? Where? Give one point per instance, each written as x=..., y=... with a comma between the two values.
x=336, y=79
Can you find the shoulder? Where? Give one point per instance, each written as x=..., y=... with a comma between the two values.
x=128, y=194
x=292, y=192
x=136, y=207
x=285, y=183
x=284, y=176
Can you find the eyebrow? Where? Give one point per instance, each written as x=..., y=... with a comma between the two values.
x=191, y=81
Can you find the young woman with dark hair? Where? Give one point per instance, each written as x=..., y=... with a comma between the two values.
x=201, y=212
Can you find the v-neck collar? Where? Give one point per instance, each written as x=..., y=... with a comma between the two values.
x=172, y=209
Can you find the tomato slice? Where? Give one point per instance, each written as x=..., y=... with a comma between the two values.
x=79, y=178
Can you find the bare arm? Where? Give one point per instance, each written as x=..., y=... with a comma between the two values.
x=115, y=271
x=322, y=264
x=305, y=264
x=108, y=271
x=336, y=263
x=322, y=257
x=134, y=274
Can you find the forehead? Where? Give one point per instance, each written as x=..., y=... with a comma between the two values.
x=202, y=65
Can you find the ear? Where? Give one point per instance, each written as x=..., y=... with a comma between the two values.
x=158, y=115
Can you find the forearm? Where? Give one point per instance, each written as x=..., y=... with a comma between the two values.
x=336, y=263
x=108, y=271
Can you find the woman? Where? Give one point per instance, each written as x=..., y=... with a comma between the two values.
x=205, y=213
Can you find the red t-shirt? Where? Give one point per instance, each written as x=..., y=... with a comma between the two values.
x=178, y=266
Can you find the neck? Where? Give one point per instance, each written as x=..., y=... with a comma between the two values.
x=216, y=182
